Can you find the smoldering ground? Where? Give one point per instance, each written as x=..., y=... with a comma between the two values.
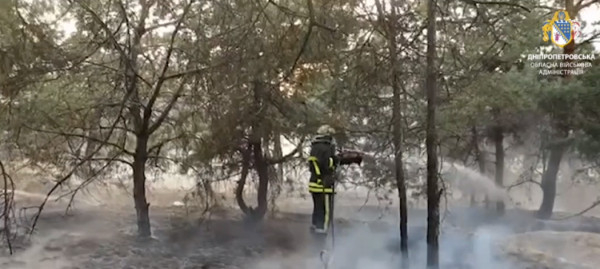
x=470, y=237
x=468, y=240
x=101, y=235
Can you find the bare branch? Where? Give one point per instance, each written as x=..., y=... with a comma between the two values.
x=523, y=182
x=164, y=142
x=125, y=129
x=499, y=3
x=87, y=182
x=582, y=4
x=288, y=156
x=79, y=164
x=124, y=14
x=589, y=40
x=592, y=206
x=8, y=204
x=112, y=37
x=167, y=110
x=311, y=24
x=160, y=25
x=108, y=160
x=161, y=79
x=119, y=147
x=54, y=188
x=83, y=161
x=286, y=10
x=192, y=71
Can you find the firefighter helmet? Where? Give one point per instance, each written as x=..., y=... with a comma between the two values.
x=325, y=130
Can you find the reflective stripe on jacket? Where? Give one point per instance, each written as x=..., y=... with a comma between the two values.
x=316, y=183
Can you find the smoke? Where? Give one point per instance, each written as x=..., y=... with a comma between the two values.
x=361, y=248
x=467, y=238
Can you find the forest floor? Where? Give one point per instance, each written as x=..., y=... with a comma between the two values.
x=104, y=237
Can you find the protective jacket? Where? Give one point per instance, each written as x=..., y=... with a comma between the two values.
x=322, y=163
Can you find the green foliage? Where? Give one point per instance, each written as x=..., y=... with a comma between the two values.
x=27, y=47
x=325, y=65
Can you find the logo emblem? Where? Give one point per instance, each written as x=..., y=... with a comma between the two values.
x=561, y=30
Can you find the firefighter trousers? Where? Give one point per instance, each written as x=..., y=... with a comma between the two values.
x=322, y=211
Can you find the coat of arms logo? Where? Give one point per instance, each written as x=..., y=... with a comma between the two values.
x=561, y=30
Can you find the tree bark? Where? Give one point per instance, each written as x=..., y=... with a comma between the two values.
x=259, y=161
x=433, y=192
x=139, y=186
x=262, y=169
x=278, y=155
x=276, y=173
x=397, y=127
x=498, y=136
x=130, y=62
x=239, y=190
x=549, y=180
x=480, y=159
x=401, y=185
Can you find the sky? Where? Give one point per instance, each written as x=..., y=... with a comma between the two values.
x=590, y=15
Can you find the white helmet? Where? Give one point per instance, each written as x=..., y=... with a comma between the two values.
x=325, y=130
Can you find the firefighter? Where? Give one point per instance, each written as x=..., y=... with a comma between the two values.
x=322, y=164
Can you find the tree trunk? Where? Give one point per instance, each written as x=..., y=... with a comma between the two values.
x=262, y=169
x=549, y=180
x=239, y=190
x=433, y=192
x=260, y=163
x=401, y=185
x=139, y=186
x=480, y=159
x=397, y=129
x=278, y=154
x=276, y=173
x=130, y=62
x=498, y=137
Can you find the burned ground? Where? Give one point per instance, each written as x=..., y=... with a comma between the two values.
x=94, y=238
